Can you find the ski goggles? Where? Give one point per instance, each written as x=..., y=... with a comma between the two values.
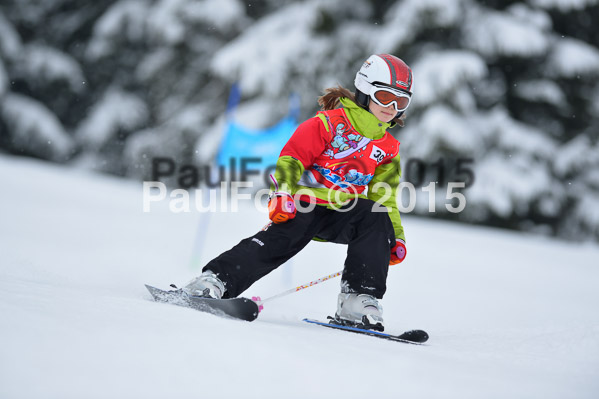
x=385, y=96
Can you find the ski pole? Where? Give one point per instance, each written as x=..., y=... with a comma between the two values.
x=260, y=301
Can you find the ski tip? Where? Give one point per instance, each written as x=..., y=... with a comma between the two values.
x=152, y=290
x=419, y=336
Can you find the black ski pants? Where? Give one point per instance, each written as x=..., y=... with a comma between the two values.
x=369, y=236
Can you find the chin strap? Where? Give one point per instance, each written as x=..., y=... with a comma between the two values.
x=362, y=99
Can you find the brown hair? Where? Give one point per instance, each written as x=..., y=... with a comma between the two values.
x=330, y=100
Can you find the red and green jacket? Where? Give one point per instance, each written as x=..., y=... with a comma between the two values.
x=342, y=154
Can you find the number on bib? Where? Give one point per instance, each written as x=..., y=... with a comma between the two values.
x=377, y=154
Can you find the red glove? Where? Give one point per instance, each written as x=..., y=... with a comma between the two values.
x=398, y=252
x=281, y=207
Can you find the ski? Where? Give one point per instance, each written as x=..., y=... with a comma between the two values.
x=415, y=337
x=237, y=308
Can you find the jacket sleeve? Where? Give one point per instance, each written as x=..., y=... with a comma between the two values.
x=307, y=142
x=386, y=194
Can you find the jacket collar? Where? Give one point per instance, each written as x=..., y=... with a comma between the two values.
x=363, y=121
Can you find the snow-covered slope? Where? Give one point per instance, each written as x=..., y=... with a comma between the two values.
x=510, y=315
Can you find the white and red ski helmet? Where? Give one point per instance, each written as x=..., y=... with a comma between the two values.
x=382, y=69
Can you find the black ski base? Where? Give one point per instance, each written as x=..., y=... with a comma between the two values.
x=237, y=308
x=415, y=337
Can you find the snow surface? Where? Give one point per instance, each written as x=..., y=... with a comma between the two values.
x=510, y=315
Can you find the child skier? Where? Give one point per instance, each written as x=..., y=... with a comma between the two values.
x=341, y=169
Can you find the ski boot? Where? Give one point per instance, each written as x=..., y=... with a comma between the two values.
x=359, y=310
x=207, y=285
